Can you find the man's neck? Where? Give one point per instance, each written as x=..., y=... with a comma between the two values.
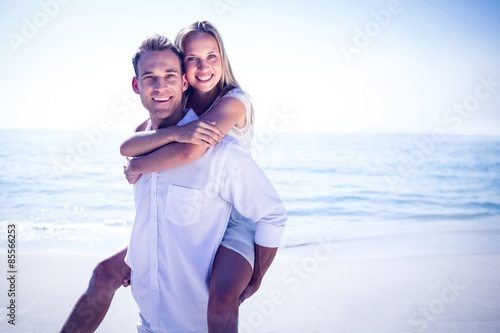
x=167, y=122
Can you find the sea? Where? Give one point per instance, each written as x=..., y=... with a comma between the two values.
x=65, y=190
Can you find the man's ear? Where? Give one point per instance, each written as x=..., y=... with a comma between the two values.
x=135, y=85
x=185, y=83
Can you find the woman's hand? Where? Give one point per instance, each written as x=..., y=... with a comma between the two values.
x=130, y=173
x=198, y=132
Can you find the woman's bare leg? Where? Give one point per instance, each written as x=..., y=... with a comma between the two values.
x=231, y=274
x=91, y=307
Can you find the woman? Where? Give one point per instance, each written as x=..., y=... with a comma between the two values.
x=223, y=108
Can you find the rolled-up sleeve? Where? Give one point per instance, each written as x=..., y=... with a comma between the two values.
x=270, y=227
x=246, y=187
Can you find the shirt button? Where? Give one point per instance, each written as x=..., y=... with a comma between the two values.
x=154, y=288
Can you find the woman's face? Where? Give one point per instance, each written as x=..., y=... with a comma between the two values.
x=202, y=62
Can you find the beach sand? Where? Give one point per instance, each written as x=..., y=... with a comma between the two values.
x=428, y=282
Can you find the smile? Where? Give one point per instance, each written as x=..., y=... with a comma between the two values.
x=205, y=77
x=161, y=99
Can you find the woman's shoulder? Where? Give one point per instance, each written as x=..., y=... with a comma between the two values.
x=238, y=93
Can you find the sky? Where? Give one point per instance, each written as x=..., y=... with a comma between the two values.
x=382, y=66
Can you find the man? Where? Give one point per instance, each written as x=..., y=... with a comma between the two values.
x=182, y=213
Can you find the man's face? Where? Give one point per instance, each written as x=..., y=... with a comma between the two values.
x=161, y=85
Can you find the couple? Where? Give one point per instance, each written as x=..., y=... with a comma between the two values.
x=185, y=258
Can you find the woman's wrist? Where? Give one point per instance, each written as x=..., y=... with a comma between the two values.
x=134, y=165
x=171, y=134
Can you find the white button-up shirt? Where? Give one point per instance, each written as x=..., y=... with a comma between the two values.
x=181, y=217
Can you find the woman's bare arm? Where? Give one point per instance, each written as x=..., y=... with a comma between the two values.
x=225, y=114
x=197, y=132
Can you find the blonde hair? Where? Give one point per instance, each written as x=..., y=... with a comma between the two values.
x=227, y=81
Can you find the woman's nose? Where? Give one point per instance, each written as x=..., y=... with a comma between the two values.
x=202, y=64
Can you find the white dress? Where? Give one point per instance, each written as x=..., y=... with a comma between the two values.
x=240, y=232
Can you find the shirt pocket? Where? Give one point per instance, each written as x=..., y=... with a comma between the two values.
x=183, y=205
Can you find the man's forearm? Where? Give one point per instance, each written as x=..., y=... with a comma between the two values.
x=264, y=256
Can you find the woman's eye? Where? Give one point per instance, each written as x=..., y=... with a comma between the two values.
x=211, y=56
x=190, y=59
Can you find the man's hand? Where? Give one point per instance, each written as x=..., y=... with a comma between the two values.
x=126, y=282
x=249, y=290
x=128, y=169
x=199, y=132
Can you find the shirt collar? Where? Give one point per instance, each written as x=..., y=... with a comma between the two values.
x=189, y=117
